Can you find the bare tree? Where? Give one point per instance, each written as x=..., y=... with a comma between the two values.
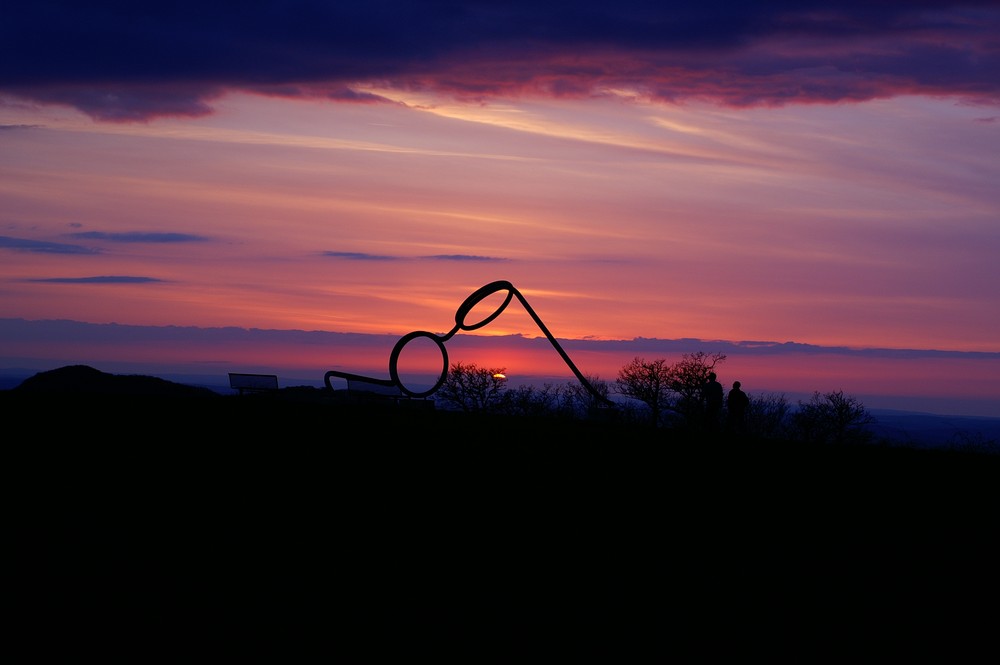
x=685, y=381
x=648, y=382
x=473, y=389
x=663, y=387
x=832, y=418
x=579, y=401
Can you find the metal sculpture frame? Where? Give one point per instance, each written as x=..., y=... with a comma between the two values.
x=460, y=324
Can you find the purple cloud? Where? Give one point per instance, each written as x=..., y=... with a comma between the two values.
x=134, y=237
x=463, y=257
x=360, y=256
x=43, y=247
x=133, y=61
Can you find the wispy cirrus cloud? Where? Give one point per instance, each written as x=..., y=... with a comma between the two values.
x=44, y=247
x=101, y=279
x=464, y=257
x=360, y=256
x=135, y=62
x=139, y=237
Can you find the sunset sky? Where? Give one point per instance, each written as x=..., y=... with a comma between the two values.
x=825, y=174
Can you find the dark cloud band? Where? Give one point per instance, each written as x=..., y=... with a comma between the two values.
x=139, y=237
x=43, y=247
x=135, y=61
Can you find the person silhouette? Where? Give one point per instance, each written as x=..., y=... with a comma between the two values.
x=712, y=395
x=737, y=403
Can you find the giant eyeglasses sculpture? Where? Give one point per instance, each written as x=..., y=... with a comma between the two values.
x=460, y=324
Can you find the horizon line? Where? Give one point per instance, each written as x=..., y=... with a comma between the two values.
x=8, y=325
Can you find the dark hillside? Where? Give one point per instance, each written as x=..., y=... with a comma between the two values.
x=296, y=523
x=85, y=380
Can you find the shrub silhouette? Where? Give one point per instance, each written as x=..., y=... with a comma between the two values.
x=670, y=395
x=832, y=418
x=768, y=416
x=473, y=389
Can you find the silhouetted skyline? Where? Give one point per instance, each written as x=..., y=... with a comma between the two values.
x=942, y=382
x=798, y=173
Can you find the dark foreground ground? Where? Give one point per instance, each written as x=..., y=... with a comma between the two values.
x=288, y=528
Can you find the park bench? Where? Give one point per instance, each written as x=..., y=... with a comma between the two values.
x=253, y=383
